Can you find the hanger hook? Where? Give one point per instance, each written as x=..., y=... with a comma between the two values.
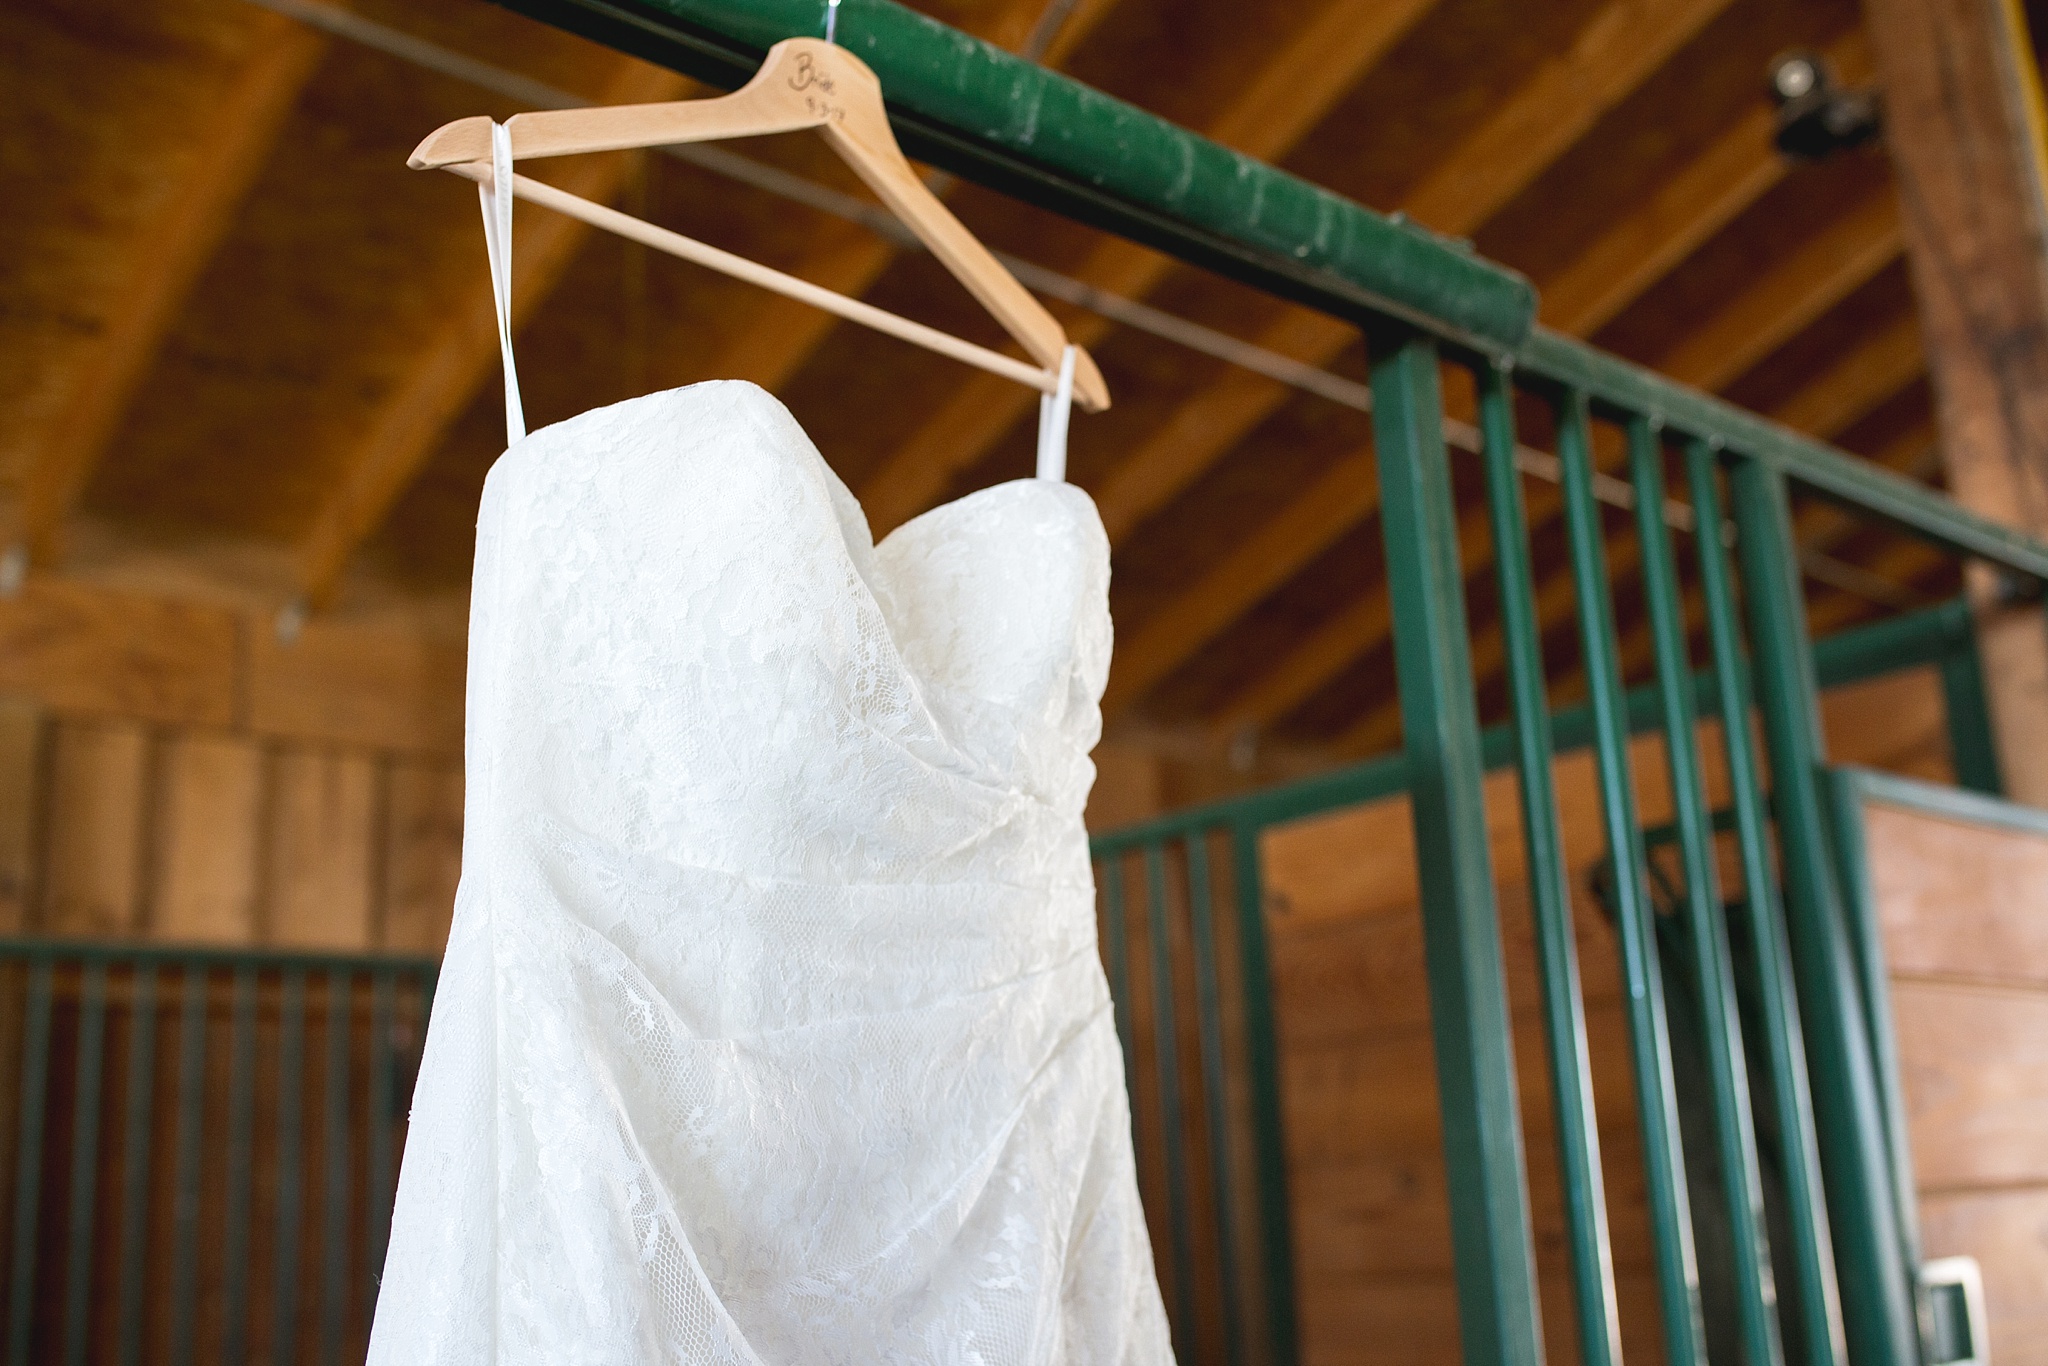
x=832, y=21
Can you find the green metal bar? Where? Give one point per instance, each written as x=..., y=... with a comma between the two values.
x=1972, y=744
x=185, y=1201
x=1845, y=803
x=1721, y=1026
x=1649, y=1045
x=1215, y=1079
x=971, y=108
x=240, y=1170
x=1818, y=1326
x=1870, y=1254
x=1927, y=636
x=1626, y=387
x=1117, y=955
x=1564, y=1016
x=28, y=1159
x=263, y=960
x=1490, y=1229
x=135, y=1150
x=1262, y=1069
x=334, y=1185
x=383, y=1019
x=85, y=1165
x=1166, y=1062
x=291, y=1169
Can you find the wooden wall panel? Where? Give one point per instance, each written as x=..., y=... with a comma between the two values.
x=324, y=828
x=1975, y=1063
x=99, y=800
x=1988, y=931
x=374, y=686
x=423, y=855
x=21, y=772
x=209, y=850
x=77, y=647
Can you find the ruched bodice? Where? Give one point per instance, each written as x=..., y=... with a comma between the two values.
x=772, y=1027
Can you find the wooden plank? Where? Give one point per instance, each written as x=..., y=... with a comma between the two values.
x=408, y=429
x=164, y=261
x=81, y=648
x=209, y=841
x=22, y=729
x=1963, y=124
x=1955, y=898
x=99, y=797
x=359, y=683
x=1974, y=1061
x=1279, y=105
x=1873, y=370
x=423, y=855
x=1647, y=243
x=324, y=822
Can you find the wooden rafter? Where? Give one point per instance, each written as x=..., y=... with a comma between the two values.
x=410, y=426
x=1614, y=54
x=1279, y=106
x=781, y=334
x=1704, y=197
x=165, y=259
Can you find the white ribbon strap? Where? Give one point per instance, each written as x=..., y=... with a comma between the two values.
x=1053, y=411
x=496, y=196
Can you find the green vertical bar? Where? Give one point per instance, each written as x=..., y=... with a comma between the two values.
x=1490, y=1234
x=1215, y=1073
x=1972, y=744
x=1564, y=1016
x=1819, y=1326
x=334, y=1184
x=291, y=1168
x=185, y=1201
x=383, y=1011
x=1116, y=952
x=1262, y=1068
x=1870, y=1253
x=1649, y=1045
x=28, y=1160
x=85, y=1158
x=135, y=1150
x=240, y=1169
x=1166, y=1063
x=1721, y=1026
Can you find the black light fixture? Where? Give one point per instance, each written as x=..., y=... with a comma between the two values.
x=1816, y=117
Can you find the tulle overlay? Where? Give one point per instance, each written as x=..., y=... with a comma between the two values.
x=772, y=1028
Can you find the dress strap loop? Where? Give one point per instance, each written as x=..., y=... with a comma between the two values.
x=1053, y=411
x=496, y=196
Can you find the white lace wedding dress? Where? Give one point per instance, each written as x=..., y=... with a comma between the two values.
x=772, y=1028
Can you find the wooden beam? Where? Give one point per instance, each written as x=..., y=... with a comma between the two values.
x=1789, y=296
x=163, y=262
x=1965, y=128
x=1643, y=247
x=1335, y=503
x=1280, y=104
x=1872, y=371
x=1616, y=51
x=409, y=428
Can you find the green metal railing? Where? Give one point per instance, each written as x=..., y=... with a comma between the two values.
x=203, y=1150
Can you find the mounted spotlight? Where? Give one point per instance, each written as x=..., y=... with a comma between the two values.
x=1816, y=117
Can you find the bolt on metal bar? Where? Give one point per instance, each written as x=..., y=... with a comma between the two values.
x=196, y=987
x=1734, y=1127
x=291, y=1167
x=1166, y=1065
x=1872, y=1259
x=1262, y=1069
x=28, y=1157
x=1215, y=1075
x=85, y=1152
x=1564, y=1015
x=241, y=1162
x=1490, y=1226
x=135, y=1150
x=1649, y=1044
x=334, y=1183
x=1816, y=1322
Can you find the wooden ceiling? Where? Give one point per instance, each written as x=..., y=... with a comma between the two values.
x=245, y=352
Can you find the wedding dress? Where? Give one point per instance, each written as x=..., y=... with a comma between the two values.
x=771, y=1028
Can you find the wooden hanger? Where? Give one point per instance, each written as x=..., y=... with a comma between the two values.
x=803, y=83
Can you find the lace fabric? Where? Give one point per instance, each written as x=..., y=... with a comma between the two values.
x=772, y=1028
